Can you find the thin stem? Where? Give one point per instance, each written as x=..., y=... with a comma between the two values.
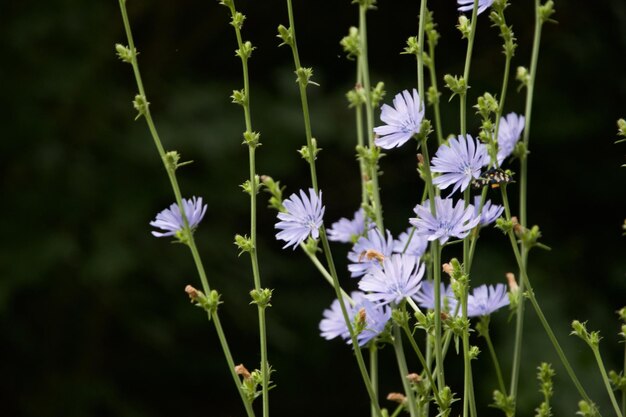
x=420, y=47
x=533, y=300
x=374, y=372
x=424, y=363
x=404, y=372
x=369, y=113
x=433, y=82
x=624, y=390
x=253, y=216
x=324, y=271
x=466, y=71
x=176, y=189
x=605, y=378
x=322, y=231
x=494, y=357
x=360, y=137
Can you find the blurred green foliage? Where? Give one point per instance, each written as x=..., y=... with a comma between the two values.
x=93, y=317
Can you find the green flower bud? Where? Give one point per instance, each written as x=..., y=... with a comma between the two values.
x=464, y=26
x=351, y=43
x=124, y=53
x=262, y=297
x=244, y=243
x=140, y=103
x=237, y=20
x=286, y=35
x=239, y=97
x=245, y=51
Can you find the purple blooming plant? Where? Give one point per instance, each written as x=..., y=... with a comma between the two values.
x=348, y=231
x=484, y=300
x=400, y=277
x=468, y=5
x=417, y=244
x=489, y=213
x=403, y=120
x=359, y=256
x=509, y=133
x=171, y=221
x=302, y=218
x=426, y=297
x=376, y=318
x=448, y=221
x=459, y=162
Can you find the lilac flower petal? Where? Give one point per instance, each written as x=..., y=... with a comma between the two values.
x=484, y=300
x=459, y=162
x=171, y=221
x=449, y=221
x=509, y=133
x=303, y=218
x=373, y=241
x=400, y=277
x=403, y=120
x=468, y=5
x=346, y=231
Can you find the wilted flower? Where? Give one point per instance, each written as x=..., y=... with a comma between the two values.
x=403, y=120
x=509, y=133
x=171, y=220
x=467, y=5
x=459, y=162
x=376, y=317
x=489, y=213
x=417, y=245
x=484, y=300
x=399, y=278
x=447, y=222
x=303, y=218
x=426, y=297
x=347, y=231
x=372, y=243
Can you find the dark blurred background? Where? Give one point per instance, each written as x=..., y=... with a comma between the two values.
x=93, y=317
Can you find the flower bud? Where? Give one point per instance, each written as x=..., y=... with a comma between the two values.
x=396, y=397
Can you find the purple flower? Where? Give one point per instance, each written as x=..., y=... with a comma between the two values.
x=489, y=213
x=468, y=5
x=485, y=300
x=447, y=222
x=459, y=162
x=399, y=278
x=403, y=120
x=426, y=297
x=376, y=317
x=303, y=218
x=348, y=231
x=363, y=253
x=171, y=220
x=509, y=132
x=417, y=245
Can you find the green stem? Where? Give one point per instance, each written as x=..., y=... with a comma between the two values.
x=466, y=71
x=322, y=231
x=420, y=47
x=324, y=271
x=433, y=82
x=605, y=378
x=404, y=372
x=369, y=114
x=253, y=219
x=533, y=300
x=374, y=372
x=624, y=390
x=187, y=231
x=424, y=363
x=360, y=138
x=494, y=357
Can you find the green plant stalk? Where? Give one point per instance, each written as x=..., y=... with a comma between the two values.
x=360, y=138
x=605, y=378
x=424, y=363
x=466, y=71
x=533, y=300
x=624, y=390
x=176, y=189
x=433, y=81
x=324, y=271
x=420, y=47
x=523, y=192
x=253, y=222
x=397, y=345
x=503, y=91
x=323, y=237
x=436, y=252
x=494, y=358
x=369, y=113
x=374, y=372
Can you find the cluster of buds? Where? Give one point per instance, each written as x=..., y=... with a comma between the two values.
x=198, y=298
x=275, y=190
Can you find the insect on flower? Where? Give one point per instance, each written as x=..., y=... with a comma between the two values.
x=371, y=254
x=493, y=177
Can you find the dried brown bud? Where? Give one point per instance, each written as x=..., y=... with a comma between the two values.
x=396, y=397
x=414, y=378
x=447, y=268
x=510, y=277
x=420, y=159
x=361, y=316
x=193, y=294
x=444, y=315
x=241, y=370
